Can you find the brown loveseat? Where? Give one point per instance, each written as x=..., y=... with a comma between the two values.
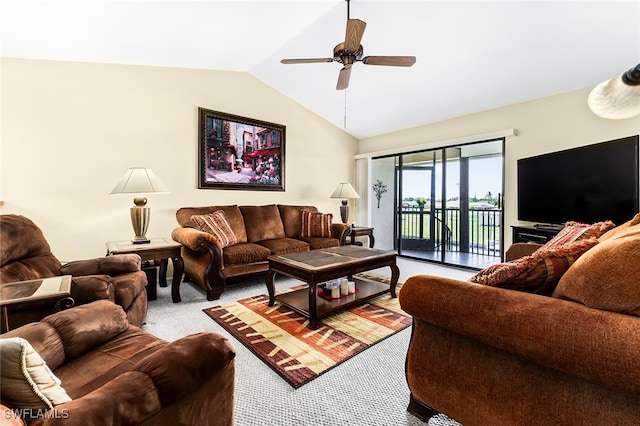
x=493, y=356
x=260, y=230
x=26, y=255
x=117, y=374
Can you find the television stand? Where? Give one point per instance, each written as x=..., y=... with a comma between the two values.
x=548, y=227
x=533, y=234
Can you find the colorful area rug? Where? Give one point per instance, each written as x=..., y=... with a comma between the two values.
x=281, y=338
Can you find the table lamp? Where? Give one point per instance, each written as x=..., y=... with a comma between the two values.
x=617, y=98
x=140, y=180
x=344, y=190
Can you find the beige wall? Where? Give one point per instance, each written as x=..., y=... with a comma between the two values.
x=543, y=125
x=70, y=131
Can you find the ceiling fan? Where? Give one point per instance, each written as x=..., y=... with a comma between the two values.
x=351, y=51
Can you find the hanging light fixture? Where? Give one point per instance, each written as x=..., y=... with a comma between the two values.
x=617, y=98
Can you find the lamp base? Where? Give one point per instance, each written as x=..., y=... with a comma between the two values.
x=140, y=221
x=344, y=211
x=140, y=240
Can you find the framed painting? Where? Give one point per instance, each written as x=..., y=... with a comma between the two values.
x=239, y=153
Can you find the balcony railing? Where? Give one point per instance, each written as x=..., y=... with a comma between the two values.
x=479, y=233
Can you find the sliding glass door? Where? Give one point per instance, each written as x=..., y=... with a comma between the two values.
x=441, y=205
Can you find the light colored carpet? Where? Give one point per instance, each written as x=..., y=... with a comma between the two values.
x=369, y=389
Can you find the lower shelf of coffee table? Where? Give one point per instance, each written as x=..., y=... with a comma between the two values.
x=298, y=300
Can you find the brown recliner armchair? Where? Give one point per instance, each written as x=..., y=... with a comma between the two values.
x=114, y=373
x=25, y=255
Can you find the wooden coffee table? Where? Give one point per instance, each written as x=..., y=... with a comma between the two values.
x=317, y=266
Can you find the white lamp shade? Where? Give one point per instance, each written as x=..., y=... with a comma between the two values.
x=617, y=98
x=344, y=190
x=139, y=180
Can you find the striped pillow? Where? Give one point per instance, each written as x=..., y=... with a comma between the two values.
x=216, y=224
x=315, y=224
x=538, y=273
x=575, y=231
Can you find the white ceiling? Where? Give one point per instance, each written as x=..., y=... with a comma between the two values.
x=471, y=56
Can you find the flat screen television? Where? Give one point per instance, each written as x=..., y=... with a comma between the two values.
x=587, y=184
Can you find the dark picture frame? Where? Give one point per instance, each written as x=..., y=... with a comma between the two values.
x=237, y=152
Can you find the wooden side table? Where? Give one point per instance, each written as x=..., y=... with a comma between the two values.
x=360, y=231
x=161, y=249
x=41, y=295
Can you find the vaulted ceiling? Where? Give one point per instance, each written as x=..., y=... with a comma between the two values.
x=471, y=56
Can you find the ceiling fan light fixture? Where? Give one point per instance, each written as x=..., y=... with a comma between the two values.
x=617, y=98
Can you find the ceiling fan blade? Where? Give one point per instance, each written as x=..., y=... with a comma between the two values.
x=355, y=30
x=343, y=78
x=306, y=60
x=394, y=61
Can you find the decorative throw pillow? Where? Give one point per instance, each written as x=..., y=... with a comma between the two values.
x=27, y=382
x=575, y=231
x=216, y=224
x=538, y=273
x=631, y=227
x=315, y=224
x=606, y=277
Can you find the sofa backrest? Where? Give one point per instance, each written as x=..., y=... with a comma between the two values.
x=292, y=219
x=262, y=222
x=25, y=254
x=71, y=333
x=232, y=213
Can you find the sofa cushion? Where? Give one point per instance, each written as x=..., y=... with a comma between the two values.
x=284, y=245
x=27, y=382
x=632, y=227
x=244, y=253
x=232, y=213
x=315, y=224
x=316, y=243
x=107, y=361
x=216, y=224
x=538, y=273
x=606, y=277
x=292, y=219
x=575, y=231
x=262, y=222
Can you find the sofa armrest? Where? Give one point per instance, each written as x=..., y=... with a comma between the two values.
x=182, y=366
x=108, y=265
x=340, y=231
x=88, y=288
x=128, y=399
x=594, y=345
x=194, y=239
x=518, y=250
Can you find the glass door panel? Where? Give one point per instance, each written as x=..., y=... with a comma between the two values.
x=442, y=205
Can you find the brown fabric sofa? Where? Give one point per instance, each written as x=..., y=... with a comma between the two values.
x=26, y=255
x=261, y=232
x=492, y=356
x=117, y=374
